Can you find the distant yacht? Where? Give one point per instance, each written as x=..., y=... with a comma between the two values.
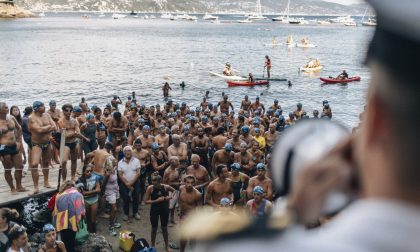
x=342, y=20
x=210, y=17
x=370, y=22
x=166, y=16
x=118, y=16
x=257, y=15
x=350, y=24
x=244, y=21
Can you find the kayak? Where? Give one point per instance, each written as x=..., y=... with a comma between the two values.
x=310, y=69
x=334, y=80
x=306, y=46
x=247, y=83
x=232, y=77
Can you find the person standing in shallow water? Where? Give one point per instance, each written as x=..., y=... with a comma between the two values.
x=166, y=89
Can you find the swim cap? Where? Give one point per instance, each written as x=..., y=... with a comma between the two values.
x=93, y=107
x=192, y=118
x=324, y=102
x=277, y=114
x=157, y=106
x=155, y=146
x=225, y=202
x=146, y=127
x=245, y=129
x=186, y=128
x=256, y=121
x=291, y=114
x=299, y=105
x=280, y=111
x=228, y=147
x=197, y=109
x=140, y=120
x=52, y=102
x=183, y=104
x=281, y=118
x=210, y=106
x=257, y=130
x=327, y=106
x=204, y=119
x=77, y=109
x=108, y=105
x=235, y=167
x=162, y=126
x=215, y=118
x=90, y=116
x=48, y=228
x=276, y=101
x=36, y=105
x=260, y=166
x=257, y=98
x=258, y=189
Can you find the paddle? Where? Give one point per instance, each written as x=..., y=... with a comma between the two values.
x=263, y=71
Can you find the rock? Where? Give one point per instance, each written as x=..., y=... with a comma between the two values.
x=95, y=243
x=8, y=10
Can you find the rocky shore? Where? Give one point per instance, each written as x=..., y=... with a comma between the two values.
x=12, y=11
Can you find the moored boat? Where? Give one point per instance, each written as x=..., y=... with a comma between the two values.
x=246, y=83
x=335, y=80
x=310, y=69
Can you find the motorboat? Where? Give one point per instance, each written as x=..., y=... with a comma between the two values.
x=192, y=18
x=278, y=19
x=118, y=16
x=350, y=24
x=369, y=22
x=296, y=20
x=210, y=17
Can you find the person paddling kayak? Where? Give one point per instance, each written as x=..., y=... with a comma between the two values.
x=344, y=75
x=251, y=77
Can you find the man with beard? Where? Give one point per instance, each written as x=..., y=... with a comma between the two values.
x=235, y=141
x=72, y=133
x=10, y=143
x=224, y=156
x=244, y=159
x=199, y=172
x=200, y=146
x=220, y=187
x=261, y=180
x=40, y=125
x=189, y=199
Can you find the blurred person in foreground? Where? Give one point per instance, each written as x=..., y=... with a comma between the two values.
x=382, y=157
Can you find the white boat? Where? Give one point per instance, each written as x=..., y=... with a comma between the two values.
x=297, y=21
x=370, y=22
x=42, y=14
x=192, y=18
x=323, y=22
x=310, y=69
x=183, y=16
x=278, y=19
x=257, y=15
x=342, y=19
x=166, y=16
x=245, y=21
x=232, y=77
x=351, y=24
x=118, y=16
x=210, y=17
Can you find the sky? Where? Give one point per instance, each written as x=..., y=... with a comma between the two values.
x=346, y=2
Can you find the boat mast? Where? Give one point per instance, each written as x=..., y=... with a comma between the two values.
x=363, y=18
x=288, y=9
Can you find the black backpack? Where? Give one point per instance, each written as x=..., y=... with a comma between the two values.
x=139, y=245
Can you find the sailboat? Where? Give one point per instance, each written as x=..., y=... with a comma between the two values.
x=257, y=15
x=370, y=22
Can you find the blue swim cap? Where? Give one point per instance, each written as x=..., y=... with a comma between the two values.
x=281, y=118
x=228, y=147
x=291, y=114
x=257, y=130
x=146, y=127
x=256, y=120
x=183, y=104
x=235, y=167
x=276, y=101
x=192, y=118
x=324, y=102
x=280, y=111
x=225, y=202
x=204, y=119
x=258, y=189
x=37, y=104
x=223, y=115
x=245, y=129
x=48, y=228
x=77, y=109
x=260, y=166
x=299, y=105
x=210, y=105
x=52, y=102
x=277, y=114
x=186, y=128
x=155, y=146
x=140, y=120
x=90, y=116
x=162, y=126
x=197, y=109
x=93, y=107
x=108, y=105
x=215, y=118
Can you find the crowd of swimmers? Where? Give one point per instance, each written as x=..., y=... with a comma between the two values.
x=170, y=156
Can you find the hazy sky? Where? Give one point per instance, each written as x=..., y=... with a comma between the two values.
x=345, y=1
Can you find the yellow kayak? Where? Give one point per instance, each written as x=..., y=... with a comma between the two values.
x=310, y=69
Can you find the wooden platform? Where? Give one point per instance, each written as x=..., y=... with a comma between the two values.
x=6, y=196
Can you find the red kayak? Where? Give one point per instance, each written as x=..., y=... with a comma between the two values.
x=247, y=83
x=334, y=80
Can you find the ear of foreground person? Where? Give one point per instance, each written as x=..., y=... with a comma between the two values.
x=382, y=154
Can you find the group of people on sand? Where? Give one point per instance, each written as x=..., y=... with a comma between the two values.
x=166, y=156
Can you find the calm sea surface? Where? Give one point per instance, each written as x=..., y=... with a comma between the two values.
x=65, y=57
